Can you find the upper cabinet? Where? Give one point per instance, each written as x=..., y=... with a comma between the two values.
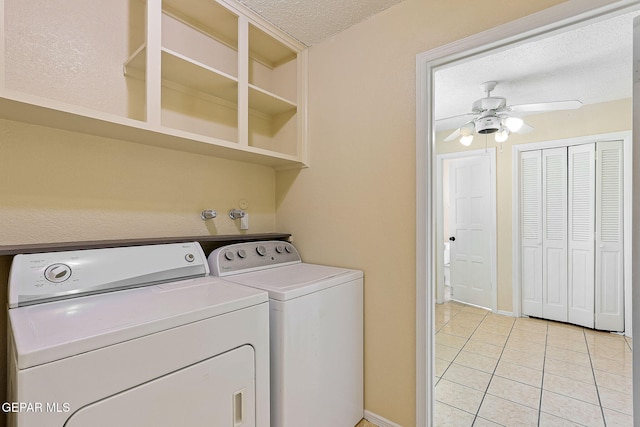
x=203, y=76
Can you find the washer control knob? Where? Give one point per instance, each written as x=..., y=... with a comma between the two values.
x=262, y=251
x=57, y=273
x=242, y=253
x=190, y=257
x=288, y=249
x=229, y=255
x=279, y=249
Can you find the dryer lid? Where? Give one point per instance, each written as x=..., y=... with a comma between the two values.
x=46, y=332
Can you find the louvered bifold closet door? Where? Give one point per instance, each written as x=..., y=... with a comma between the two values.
x=531, y=231
x=554, y=240
x=609, y=278
x=581, y=256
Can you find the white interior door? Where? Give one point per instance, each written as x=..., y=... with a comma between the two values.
x=470, y=227
x=609, y=278
x=554, y=241
x=581, y=257
x=531, y=226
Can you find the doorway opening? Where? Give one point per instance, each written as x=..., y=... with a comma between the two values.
x=568, y=15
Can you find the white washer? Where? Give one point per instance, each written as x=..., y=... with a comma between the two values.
x=185, y=349
x=316, y=324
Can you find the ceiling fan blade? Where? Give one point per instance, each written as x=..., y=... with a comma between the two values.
x=525, y=128
x=459, y=116
x=546, y=106
x=454, y=135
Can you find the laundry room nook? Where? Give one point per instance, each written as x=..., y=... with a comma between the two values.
x=162, y=124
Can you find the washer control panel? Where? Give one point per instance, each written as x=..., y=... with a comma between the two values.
x=252, y=256
x=36, y=278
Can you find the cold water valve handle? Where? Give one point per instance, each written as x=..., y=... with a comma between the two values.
x=236, y=214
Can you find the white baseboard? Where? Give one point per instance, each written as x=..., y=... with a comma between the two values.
x=378, y=420
x=506, y=313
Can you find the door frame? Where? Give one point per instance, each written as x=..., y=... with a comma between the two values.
x=440, y=158
x=626, y=138
x=541, y=24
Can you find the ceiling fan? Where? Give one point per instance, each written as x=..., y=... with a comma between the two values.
x=493, y=115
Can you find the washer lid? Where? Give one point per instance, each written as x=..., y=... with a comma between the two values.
x=292, y=281
x=46, y=332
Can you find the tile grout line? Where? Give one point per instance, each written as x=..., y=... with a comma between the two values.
x=495, y=368
x=454, y=358
x=465, y=343
x=544, y=363
x=595, y=382
x=475, y=416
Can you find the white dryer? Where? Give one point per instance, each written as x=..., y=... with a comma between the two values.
x=316, y=324
x=181, y=348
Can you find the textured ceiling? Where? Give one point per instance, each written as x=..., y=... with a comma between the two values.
x=591, y=64
x=312, y=21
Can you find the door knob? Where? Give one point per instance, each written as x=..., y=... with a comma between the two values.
x=453, y=239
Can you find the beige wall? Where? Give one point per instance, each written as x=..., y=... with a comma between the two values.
x=355, y=206
x=589, y=120
x=58, y=186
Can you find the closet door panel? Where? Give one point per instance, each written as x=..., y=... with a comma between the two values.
x=554, y=242
x=609, y=278
x=531, y=231
x=581, y=250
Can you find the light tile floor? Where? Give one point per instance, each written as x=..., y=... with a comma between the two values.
x=496, y=370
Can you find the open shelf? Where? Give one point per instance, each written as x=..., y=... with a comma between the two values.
x=273, y=66
x=268, y=103
x=267, y=50
x=45, y=112
x=195, y=97
x=206, y=16
x=203, y=76
x=186, y=72
x=209, y=49
x=273, y=93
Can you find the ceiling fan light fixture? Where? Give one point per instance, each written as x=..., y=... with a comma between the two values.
x=466, y=140
x=488, y=124
x=502, y=135
x=514, y=124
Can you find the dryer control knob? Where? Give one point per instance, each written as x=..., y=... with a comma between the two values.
x=229, y=255
x=242, y=253
x=279, y=249
x=57, y=273
x=288, y=249
x=262, y=251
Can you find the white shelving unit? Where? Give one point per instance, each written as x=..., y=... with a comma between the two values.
x=205, y=76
